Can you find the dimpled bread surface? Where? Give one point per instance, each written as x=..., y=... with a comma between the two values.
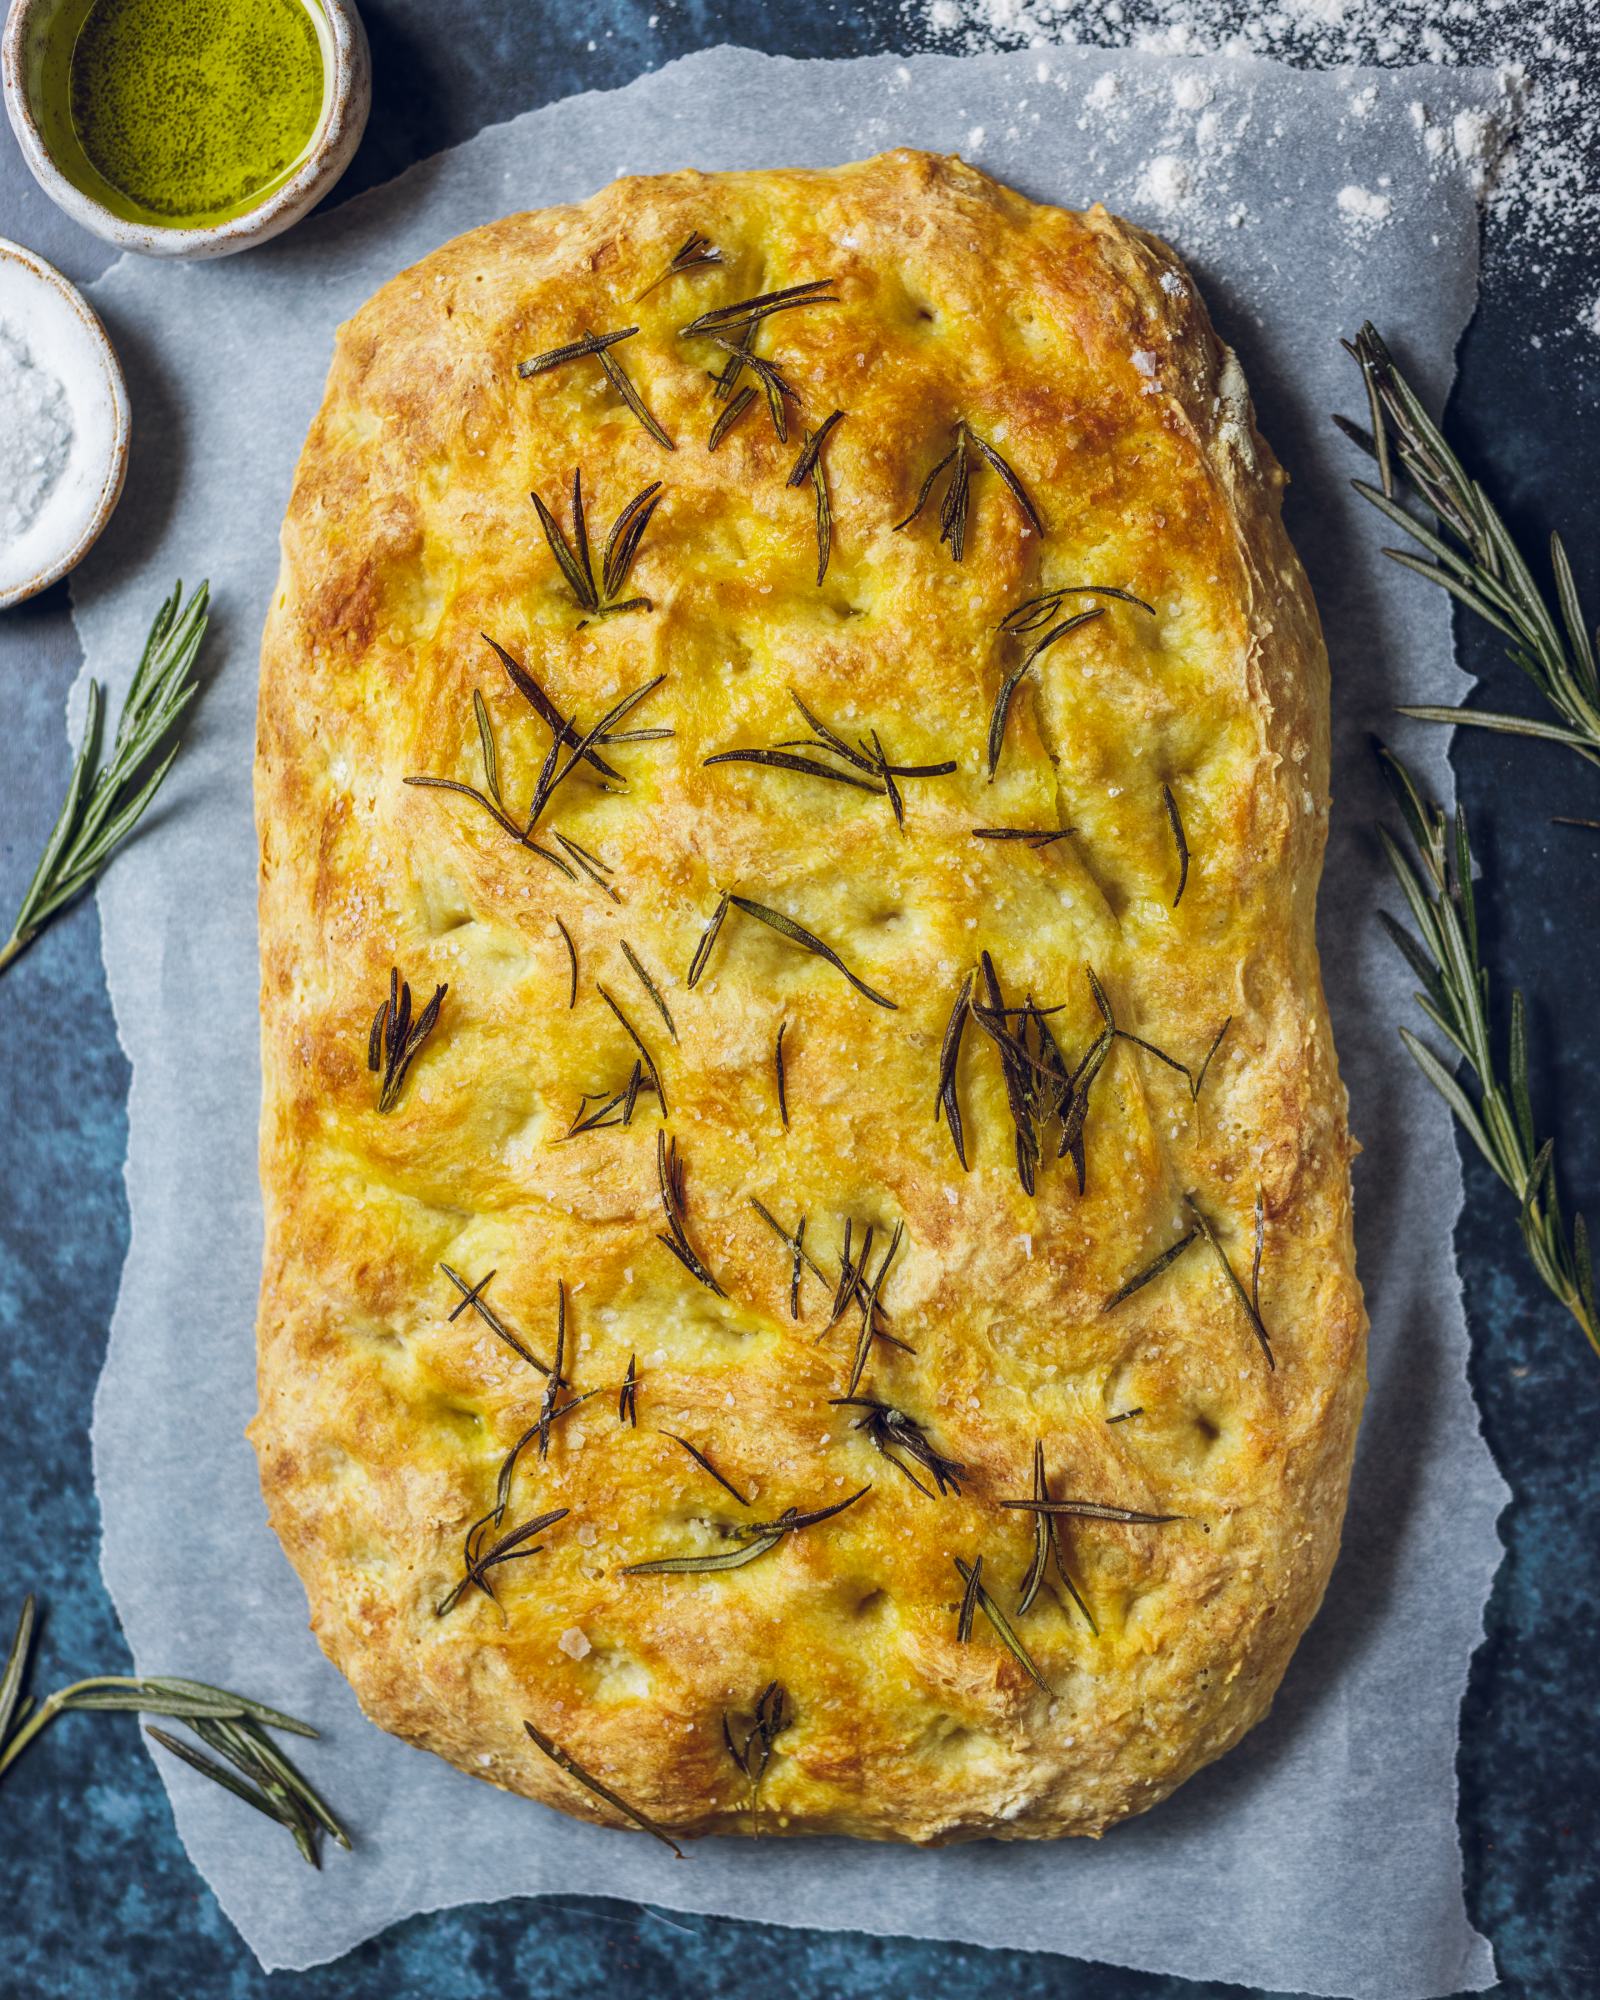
x=1222, y=1396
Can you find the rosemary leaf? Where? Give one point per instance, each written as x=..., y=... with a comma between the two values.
x=1038, y=611
x=976, y=1593
x=695, y=253
x=746, y=312
x=954, y=512
x=948, y=1099
x=708, y=939
x=104, y=801
x=574, y=350
x=1093, y=1510
x=759, y=1539
x=617, y=376
x=1008, y=687
x=1151, y=1271
x=1257, y=1326
x=645, y=1057
x=728, y=417
x=809, y=466
x=782, y=1076
x=572, y=959
x=796, y=933
x=669, y=1175
x=628, y=1395
x=564, y=1761
x=705, y=1464
x=649, y=986
x=472, y=1295
x=1176, y=823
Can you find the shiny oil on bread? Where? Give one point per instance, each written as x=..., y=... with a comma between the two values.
x=808, y=1276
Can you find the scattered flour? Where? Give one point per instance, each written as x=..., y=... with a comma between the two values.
x=35, y=435
x=1536, y=171
x=1364, y=208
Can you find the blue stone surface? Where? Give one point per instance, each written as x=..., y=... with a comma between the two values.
x=98, y=1896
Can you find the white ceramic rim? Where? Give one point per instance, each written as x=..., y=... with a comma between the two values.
x=282, y=206
x=116, y=392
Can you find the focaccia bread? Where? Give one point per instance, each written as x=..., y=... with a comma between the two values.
x=989, y=960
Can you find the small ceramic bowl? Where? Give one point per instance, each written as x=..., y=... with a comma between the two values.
x=347, y=98
x=47, y=325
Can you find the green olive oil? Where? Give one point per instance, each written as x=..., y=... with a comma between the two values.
x=185, y=113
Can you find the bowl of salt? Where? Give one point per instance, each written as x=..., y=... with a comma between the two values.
x=63, y=425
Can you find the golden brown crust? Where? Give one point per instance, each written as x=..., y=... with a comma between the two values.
x=1078, y=348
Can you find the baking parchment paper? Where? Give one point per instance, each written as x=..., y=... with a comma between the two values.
x=1322, y=1854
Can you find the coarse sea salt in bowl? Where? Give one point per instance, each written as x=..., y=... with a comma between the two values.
x=63, y=425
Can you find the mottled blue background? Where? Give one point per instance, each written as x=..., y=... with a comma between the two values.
x=98, y=1897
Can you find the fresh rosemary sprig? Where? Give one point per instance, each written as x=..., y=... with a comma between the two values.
x=600, y=598
x=669, y=1176
x=1008, y=687
x=395, y=1039
x=1040, y=1088
x=865, y=769
x=976, y=1595
x=809, y=466
x=1475, y=559
x=104, y=802
x=597, y=347
x=786, y=927
x=230, y=1724
x=958, y=491
x=893, y=1432
x=757, y=1539
x=1437, y=886
x=768, y=1720
x=564, y=1761
x=694, y=253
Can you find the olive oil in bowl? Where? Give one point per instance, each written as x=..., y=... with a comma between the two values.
x=185, y=113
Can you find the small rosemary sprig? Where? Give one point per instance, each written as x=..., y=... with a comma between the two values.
x=395, y=1039
x=1475, y=558
x=957, y=502
x=893, y=1433
x=472, y=1296
x=866, y=769
x=104, y=802
x=1437, y=885
x=768, y=1720
x=757, y=1539
x=695, y=253
x=647, y=1062
x=507, y=1548
x=809, y=466
x=786, y=927
x=1040, y=1088
x=564, y=1761
x=1009, y=686
x=600, y=598
x=565, y=729
x=230, y=1724
x=732, y=329
x=1035, y=612
x=597, y=347
x=1047, y=1542
x=976, y=1596
x=669, y=1177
